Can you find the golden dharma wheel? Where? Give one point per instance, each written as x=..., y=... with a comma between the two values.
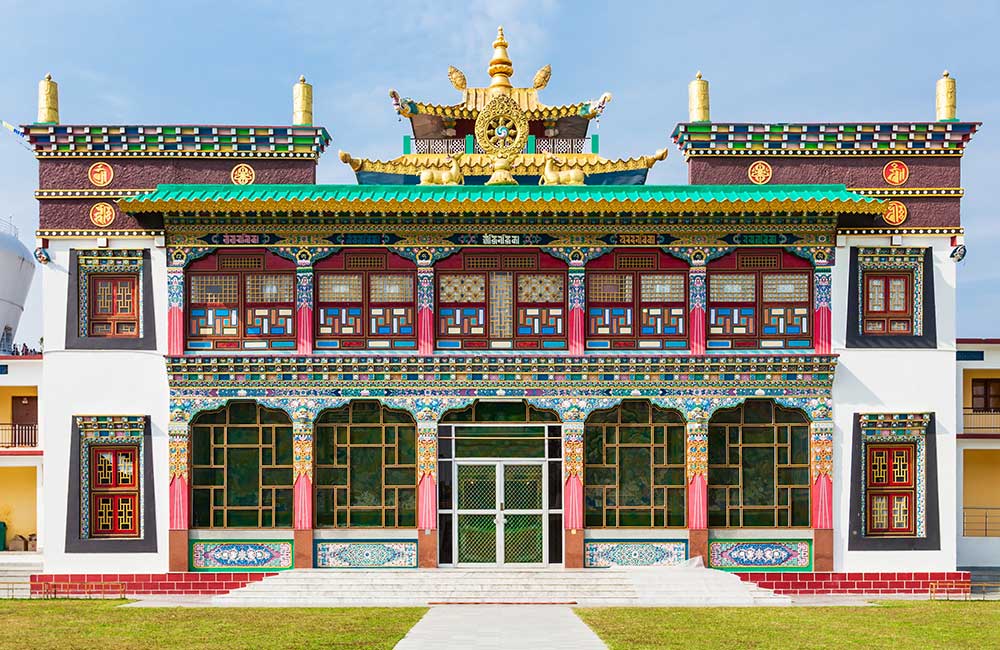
x=502, y=127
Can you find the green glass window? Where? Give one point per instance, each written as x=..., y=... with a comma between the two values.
x=634, y=467
x=241, y=468
x=366, y=467
x=758, y=467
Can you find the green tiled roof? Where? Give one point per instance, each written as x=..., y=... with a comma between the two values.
x=671, y=198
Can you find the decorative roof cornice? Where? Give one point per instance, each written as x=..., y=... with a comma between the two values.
x=477, y=164
x=830, y=139
x=80, y=141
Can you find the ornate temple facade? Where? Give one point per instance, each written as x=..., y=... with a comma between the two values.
x=500, y=348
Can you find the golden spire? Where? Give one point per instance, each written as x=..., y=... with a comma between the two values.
x=945, y=96
x=48, y=101
x=302, y=103
x=501, y=68
x=698, y=99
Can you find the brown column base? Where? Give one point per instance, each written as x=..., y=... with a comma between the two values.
x=698, y=545
x=177, y=546
x=303, y=549
x=823, y=549
x=427, y=549
x=573, y=549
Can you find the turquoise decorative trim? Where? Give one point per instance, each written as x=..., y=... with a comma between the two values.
x=751, y=555
x=241, y=555
x=365, y=554
x=606, y=553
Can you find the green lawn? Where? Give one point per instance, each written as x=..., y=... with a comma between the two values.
x=898, y=625
x=71, y=624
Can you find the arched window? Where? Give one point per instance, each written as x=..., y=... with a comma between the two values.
x=760, y=298
x=501, y=299
x=366, y=467
x=365, y=299
x=241, y=468
x=637, y=298
x=241, y=299
x=758, y=467
x=634, y=473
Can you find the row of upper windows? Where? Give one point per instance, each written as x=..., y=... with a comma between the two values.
x=246, y=300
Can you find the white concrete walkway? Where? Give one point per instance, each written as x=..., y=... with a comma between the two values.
x=500, y=627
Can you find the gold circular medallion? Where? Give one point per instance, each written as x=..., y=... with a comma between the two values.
x=501, y=127
x=895, y=213
x=102, y=214
x=100, y=174
x=759, y=173
x=243, y=174
x=895, y=172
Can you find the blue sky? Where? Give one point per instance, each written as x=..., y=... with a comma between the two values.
x=235, y=62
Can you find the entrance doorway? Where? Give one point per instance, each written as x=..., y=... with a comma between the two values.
x=500, y=486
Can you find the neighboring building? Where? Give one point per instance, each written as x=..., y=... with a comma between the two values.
x=978, y=460
x=500, y=348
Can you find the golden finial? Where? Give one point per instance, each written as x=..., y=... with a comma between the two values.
x=698, y=99
x=48, y=101
x=501, y=68
x=302, y=103
x=457, y=78
x=945, y=98
x=542, y=77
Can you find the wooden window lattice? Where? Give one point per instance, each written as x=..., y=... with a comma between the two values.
x=635, y=261
x=668, y=287
x=241, y=262
x=610, y=287
x=339, y=287
x=785, y=287
x=732, y=287
x=758, y=262
x=214, y=289
x=365, y=262
x=391, y=288
x=270, y=287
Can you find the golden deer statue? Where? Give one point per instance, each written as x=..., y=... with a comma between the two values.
x=551, y=175
x=450, y=176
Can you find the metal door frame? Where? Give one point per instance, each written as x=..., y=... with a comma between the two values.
x=498, y=511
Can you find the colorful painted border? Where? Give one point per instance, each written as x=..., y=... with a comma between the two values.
x=640, y=550
x=281, y=551
x=383, y=553
x=720, y=554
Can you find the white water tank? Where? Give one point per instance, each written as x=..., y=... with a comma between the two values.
x=17, y=266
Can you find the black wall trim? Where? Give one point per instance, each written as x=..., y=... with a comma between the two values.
x=145, y=544
x=857, y=340
x=932, y=542
x=76, y=342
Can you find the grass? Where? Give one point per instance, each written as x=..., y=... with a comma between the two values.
x=70, y=624
x=898, y=625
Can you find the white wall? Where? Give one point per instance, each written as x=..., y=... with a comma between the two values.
x=99, y=382
x=883, y=380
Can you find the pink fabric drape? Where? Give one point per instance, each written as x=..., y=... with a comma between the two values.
x=425, y=331
x=427, y=507
x=178, y=503
x=573, y=503
x=697, y=328
x=697, y=503
x=822, y=502
x=823, y=331
x=576, y=332
x=175, y=331
x=304, y=331
x=302, y=504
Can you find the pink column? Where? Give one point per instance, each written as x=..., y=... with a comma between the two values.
x=427, y=504
x=175, y=311
x=573, y=470
x=696, y=319
x=822, y=474
x=577, y=305
x=697, y=474
x=304, y=310
x=822, y=295
x=179, y=495
x=302, y=494
x=425, y=311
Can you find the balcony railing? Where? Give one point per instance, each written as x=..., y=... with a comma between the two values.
x=980, y=522
x=439, y=145
x=18, y=435
x=981, y=421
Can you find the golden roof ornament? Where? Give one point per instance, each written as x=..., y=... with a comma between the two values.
x=698, y=110
x=552, y=175
x=48, y=101
x=946, y=104
x=542, y=77
x=502, y=127
x=501, y=67
x=302, y=103
x=452, y=175
x=457, y=78
x=502, y=171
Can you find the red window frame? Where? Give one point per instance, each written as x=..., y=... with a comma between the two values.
x=892, y=480
x=476, y=262
x=623, y=262
x=122, y=323
x=116, y=494
x=347, y=263
x=887, y=318
x=215, y=265
x=745, y=262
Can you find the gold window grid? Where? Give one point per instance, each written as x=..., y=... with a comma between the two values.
x=739, y=489
x=541, y=288
x=218, y=501
x=610, y=287
x=102, y=467
x=462, y=288
x=663, y=288
x=361, y=285
x=758, y=262
x=774, y=285
x=364, y=262
x=390, y=452
x=270, y=288
x=113, y=306
x=339, y=288
x=636, y=261
x=610, y=455
x=228, y=289
x=732, y=287
x=241, y=262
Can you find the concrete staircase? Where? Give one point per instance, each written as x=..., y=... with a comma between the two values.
x=16, y=570
x=631, y=587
